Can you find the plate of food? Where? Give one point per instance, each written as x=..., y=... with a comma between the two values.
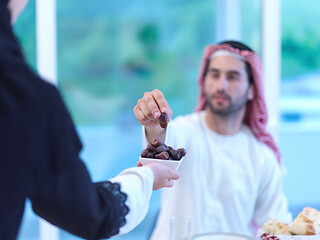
x=158, y=152
x=306, y=226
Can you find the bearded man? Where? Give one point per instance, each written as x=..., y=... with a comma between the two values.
x=231, y=176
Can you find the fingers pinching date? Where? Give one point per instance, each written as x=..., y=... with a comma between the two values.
x=163, y=120
x=159, y=150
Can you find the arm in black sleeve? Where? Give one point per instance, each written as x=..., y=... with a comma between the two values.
x=61, y=190
x=40, y=152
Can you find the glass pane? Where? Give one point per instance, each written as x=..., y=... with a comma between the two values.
x=110, y=53
x=300, y=101
x=25, y=30
x=300, y=87
x=251, y=24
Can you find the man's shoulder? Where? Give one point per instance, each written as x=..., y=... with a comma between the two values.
x=258, y=146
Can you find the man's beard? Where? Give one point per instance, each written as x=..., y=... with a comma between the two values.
x=234, y=107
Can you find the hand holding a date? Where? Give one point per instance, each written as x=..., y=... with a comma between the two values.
x=153, y=110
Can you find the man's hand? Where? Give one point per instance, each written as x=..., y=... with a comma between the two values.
x=148, y=111
x=150, y=107
x=164, y=176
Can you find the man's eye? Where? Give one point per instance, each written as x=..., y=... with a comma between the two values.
x=215, y=75
x=233, y=77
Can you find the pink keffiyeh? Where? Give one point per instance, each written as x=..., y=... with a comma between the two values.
x=256, y=115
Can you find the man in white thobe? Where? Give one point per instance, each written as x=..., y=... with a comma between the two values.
x=231, y=175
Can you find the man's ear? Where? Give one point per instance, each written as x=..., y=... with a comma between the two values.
x=251, y=92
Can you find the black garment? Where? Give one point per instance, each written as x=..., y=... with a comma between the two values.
x=39, y=155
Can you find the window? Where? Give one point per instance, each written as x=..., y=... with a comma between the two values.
x=300, y=101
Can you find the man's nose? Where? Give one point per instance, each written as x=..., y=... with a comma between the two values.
x=222, y=83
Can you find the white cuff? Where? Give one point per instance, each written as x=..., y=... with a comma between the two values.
x=137, y=183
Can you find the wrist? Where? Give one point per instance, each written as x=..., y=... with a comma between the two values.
x=155, y=133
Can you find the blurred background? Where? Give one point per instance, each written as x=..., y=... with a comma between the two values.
x=110, y=52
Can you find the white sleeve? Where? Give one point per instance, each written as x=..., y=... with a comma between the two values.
x=137, y=183
x=271, y=202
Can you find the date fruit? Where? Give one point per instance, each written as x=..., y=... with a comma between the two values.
x=163, y=120
x=159, y=150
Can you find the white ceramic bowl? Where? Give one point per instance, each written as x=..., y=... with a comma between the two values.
x=170, y=163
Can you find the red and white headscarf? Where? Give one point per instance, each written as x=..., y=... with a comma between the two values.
x=256, y=115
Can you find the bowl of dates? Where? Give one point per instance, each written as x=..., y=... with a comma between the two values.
x=158, y=152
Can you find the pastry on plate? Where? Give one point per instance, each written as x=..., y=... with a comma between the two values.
x=306, y=223
x=275, y=227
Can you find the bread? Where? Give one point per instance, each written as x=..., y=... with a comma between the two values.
x=274, y=227
x=306, y=223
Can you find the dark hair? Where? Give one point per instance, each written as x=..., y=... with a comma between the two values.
x=237, y=45
x=241, y=47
